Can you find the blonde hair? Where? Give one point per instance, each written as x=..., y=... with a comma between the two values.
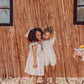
x=49, y=29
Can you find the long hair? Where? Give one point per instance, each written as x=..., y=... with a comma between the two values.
x=32, y=34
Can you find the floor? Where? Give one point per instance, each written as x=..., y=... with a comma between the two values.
x=27, y=80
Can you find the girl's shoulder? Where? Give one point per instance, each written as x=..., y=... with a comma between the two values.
x=53, y=38
x=33, y=44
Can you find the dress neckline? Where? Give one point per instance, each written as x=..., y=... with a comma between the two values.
x=34, y=43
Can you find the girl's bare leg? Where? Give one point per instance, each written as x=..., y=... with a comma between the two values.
x=53, y=72
x=46, y=74
x=34, y=79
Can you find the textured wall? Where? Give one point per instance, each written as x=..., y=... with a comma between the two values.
x=39, y=13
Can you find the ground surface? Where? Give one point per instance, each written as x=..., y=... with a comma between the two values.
x=27, y=80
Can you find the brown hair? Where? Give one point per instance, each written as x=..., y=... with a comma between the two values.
x=32, y=34
x=49, y=29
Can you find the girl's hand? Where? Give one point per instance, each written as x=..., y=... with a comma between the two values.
x=35, y=65
x=58, y=60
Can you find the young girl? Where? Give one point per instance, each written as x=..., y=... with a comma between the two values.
x=49, y=50
x=35, y=63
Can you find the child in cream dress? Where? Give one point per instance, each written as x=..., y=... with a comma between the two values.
x=40, y=63
x=35, y=61
x=49, y=50
x=49, y=53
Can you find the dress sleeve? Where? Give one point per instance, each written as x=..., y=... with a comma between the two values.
x=53, y=40
x=32, y=44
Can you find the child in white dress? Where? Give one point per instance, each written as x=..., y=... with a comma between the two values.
x=35, y=61
x=49, y=50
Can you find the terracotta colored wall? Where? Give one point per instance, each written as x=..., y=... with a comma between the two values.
x=39, y=13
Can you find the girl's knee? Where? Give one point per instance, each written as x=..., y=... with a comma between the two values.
x=35, y=76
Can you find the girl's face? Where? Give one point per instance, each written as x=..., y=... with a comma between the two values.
x=46, y=35
x=38, y=35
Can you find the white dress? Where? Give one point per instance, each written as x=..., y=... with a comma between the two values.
x=39, y=60
x=49, y=53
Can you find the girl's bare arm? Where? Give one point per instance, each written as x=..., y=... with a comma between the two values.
x=55, y=49
x=34, y=55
